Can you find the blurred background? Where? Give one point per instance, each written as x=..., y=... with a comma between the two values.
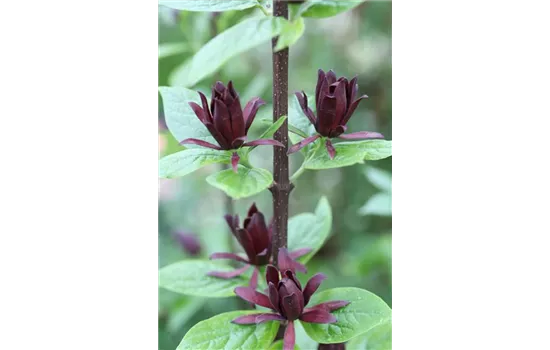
x=358, y=253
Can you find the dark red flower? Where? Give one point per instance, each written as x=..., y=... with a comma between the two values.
x=335, y=100
x=255, y=238
x=226, y=121
x=189, y=242
x=288, y=300
x=336, y=346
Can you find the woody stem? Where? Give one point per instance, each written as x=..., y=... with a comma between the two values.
x=281, y=186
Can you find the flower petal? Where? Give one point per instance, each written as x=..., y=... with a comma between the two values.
x=264, y=142
x=222, y=120
x=323, y=91
x=235, y=161
x=251, y=295
x=326, y=115
x=229, y=256
x=330, y=305
x=272, y=275
x=351, y=90
x=273, y=296
x=330, y=149
x=199, y=112
x=237, y=120
x=362, y=135
x=254, y=279
x=320, y=79
x=302, y=144
x=284, y=260
x=290, y=337
x=229, y=274
x=339, y=130
x=269, y=317
x=232, y=90
x=302, y=99
x=200, y=143
x=238, y=142
x=246, y=319
x=256, y=318
x=312, y=285
x=252, y=210
x=207, y=113
x=218, y=136
x=292, y=306
x=331, y=77
x=351, y=109
x=250, y=111
x=245, y=240
x=233, y=222
x=290, y=275
x=299, y=252
x=287, y=263
x=341, y=104
x=318, y=316
x=257, y=229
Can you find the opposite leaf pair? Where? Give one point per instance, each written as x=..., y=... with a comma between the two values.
x=288, y=300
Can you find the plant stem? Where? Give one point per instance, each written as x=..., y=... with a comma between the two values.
x=298, y=172
x=264, y=10
x=281, y=185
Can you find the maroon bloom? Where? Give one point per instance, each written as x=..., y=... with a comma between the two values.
x=227, y=121
x=288, y=300
x=336, y=346
x=255, y=238
x=335, y=100
x=189, y=242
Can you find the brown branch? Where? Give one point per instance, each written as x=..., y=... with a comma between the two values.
x=281, y=185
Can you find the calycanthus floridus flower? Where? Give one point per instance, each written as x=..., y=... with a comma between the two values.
x=227, y=122
x=335, y=100
x=255, y=238
x=289, y=300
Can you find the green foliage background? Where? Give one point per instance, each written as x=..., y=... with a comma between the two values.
x=358, y=253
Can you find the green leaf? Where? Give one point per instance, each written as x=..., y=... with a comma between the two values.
x=308, y=230
x=302, y=339
x=379, y=204
x=190, y=277
x=170, y=49
x=349, y=153
x=219, y=333
x=379, y=178
x=365, y=312
x=291, y=128
x=290, y=33
x=180, y=118
x=298, y=120
x=326, y=8
x=268, y=133
x=298, y=132
x=209, y=5
x=378, y=338
x=245, y=183
x=278, y=345
x=230, y=43
x=374, y=149
x=183, y=311
x=184, y=162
